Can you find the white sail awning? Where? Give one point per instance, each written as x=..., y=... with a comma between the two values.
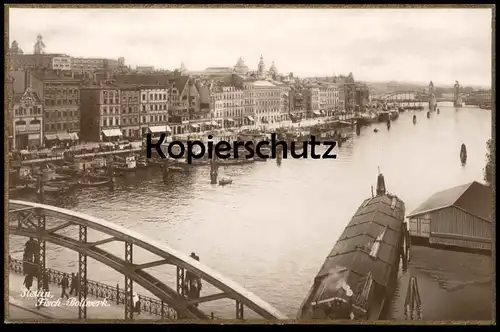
x=250, y=118
x=33, y=136
x=194, y=125
x=112, y=132
x=160, y=129
x=317, y=112
x=63, y=137
x=74, y=136
x=229, y=120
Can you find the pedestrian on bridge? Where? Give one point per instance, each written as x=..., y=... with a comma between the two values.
x=74, y=284
x=64, y=285
x=28, y=281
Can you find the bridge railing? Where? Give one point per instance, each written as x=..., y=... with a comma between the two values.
x=100, y=290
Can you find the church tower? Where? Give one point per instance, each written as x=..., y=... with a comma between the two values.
x=262, y=67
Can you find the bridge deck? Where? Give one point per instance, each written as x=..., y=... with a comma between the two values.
x=25, y=307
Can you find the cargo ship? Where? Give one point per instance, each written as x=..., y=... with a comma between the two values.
x=359, y=276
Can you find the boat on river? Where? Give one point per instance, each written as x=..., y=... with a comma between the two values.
x=223, y=182
x=94, y=181
x=414, y=119
x=359, y=276
x=463, y=154
x=235, y=162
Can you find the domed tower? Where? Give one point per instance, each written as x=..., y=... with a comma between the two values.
x=273, y=71
x=39, y=45
x=262, y=67
x=183, y=69
x=240, y=67
x=14, y=48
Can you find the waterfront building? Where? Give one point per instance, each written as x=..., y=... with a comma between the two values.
x=154, y=104
x=328, y=98
x=458, y=217
x=34, y=62
x=264, y=100
x=311, y=94
x=130, y=111
x=60, y=95
x=27, y=120
x=228, y=105
x=100, y=113
x=284, y=100
x=298, y=104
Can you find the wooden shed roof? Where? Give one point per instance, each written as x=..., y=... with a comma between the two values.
x=474, y=198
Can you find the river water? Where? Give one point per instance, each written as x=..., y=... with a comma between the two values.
x=271, y=230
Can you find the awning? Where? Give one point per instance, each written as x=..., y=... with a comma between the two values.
x=112, y=132
x=74, y=136
x=63, y=137
x=194, y=125
x=322, y=112
x=50, y=137
x=208, y=123
x=34, y=136
x=250, y=118
x=160, y=129
x=215, y=123
x=316, y=112
x=229, y=120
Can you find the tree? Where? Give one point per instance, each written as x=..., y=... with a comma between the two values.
x=488, y=169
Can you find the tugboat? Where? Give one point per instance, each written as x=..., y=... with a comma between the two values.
x=414, y=119
x=355, y=282
x=375, y=130
x=463, y=154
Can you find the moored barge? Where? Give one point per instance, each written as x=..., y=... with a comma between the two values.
x=359, y=275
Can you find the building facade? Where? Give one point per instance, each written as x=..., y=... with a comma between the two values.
x=27, y=121
x=130, y=111
x=328, y=99
x=62, y=63
x=228, y=106
x=101, y=113
x=61, y=106
x=266, y=98
x=311, y=94
x=154, y=109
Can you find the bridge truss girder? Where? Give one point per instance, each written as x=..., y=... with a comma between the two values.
x=24, y=212
x=419, y=96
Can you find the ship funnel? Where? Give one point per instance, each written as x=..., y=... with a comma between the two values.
x=380, y=185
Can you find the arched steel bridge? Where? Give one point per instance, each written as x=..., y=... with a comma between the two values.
x=30, y=220
x=409, y=96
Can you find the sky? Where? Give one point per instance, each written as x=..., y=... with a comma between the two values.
x=405, y=45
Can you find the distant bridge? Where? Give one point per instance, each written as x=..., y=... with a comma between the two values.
x=30, y=220
x=413, y=96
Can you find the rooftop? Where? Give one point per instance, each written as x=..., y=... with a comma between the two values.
x=474, y=198
x=263, y=83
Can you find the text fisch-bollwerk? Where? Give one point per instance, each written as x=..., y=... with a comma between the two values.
x=223, y=148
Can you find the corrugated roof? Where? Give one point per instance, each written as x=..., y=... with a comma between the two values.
x=474, y=198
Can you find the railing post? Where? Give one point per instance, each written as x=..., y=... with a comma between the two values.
x=239, y=310
x=129, y=305
x=82, y=275
x=117, y=293
x=41, y=251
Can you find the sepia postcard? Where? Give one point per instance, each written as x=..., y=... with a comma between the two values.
x=245, y=164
